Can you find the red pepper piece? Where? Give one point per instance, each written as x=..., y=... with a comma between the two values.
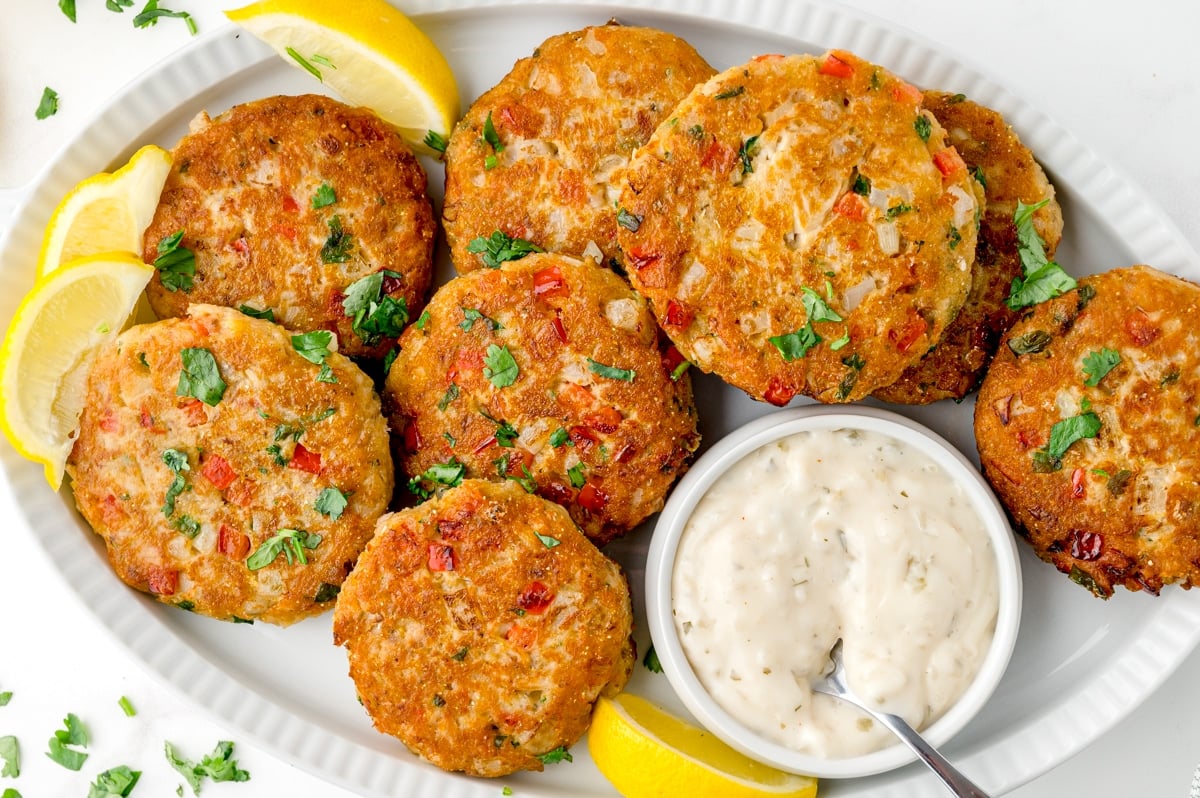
x=559, y=329
x=442, y=557
x=412, y=437
x=850, y=206
x=305, y=460
x=194, y=412
x=677, y=315
x=1078, y=485
x=231, y=543
x=216, y=469
x=1086, y=546
x=522, y=636
x=949, y=162
x=583, y=438
x=549, y=282
x=605, y=420
x=835, y=67
x=535, y=598
x=592, y=497
x=778, y=392
x=162, y=581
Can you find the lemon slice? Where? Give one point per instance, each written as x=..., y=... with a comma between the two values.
x=645, y=752
x=106, y=212
x=366, y=51
x=45, y=357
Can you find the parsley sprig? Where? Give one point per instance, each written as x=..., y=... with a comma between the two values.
x=1043, y=278
x=449, y=474
x=115, y=782
x=176, y=264
x=315, y=348
x=291, y=543
x=1063, y=435
x=200, y=378
x=499, y=248
x=218, y=766
x=795, y=345
x=376, y=315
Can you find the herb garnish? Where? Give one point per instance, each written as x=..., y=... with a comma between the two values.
x=472, y=315
x=1063, y=434
x=745, y=154
x=149, y=16
x=450, y=474
x=1097, y=364
x=304, y=63
x=218, y=766
x=331, y=502
x=187, y=526
x=1030, y=343
x=651, y=660
x=199, y=377
x=449, y=396
x=68, y=8
x=326, y=592
x=728, y=93
x=314, y=347
x=499, y=366
x=855, y=363
x=575, y=475
x=291, y=543
x=559, y=437
x=980, y=177
x=422, y=320
x=176, y=265
x=492, y=139
x=177, y=461
x=922, y=126
x=376, y=315
x=1043, y=278
x=557, y=755
x=547, y=541
x=499, y=248
x=255, y=313
x=114, y=783
x=48, y=105
x=73, y=734
x=5, y=697
x=336, y=248
x=127, y=707
x=630, y=221
x=10, y=752
x=796, y=344
x=861, y=185
x=435, y=141
x=897, y=209
x=325, y=195
x=611, y=372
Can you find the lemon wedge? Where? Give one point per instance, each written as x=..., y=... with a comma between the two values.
x=106, y=212
x=644, y=751
x=369, y=53
x=45, y=357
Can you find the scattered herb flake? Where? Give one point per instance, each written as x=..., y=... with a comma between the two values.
x=449, y=474
x=559, y=754
x=730, y=93
x=1096, y=365
x=127, y=707
x=1084, y=579
x=187, y=526
x=1030, y=343
x=68, y=8
x=423, y=320
x=980, y=177
x=435, y=141
x=176, y=264
x=326, y=592
x=48, y=105
x=1118, y=482
x=923, y=127
x=291, y=543
x=449, y=396
x=746, y=154
x=331, y=502
x=575, y=474
x=796, y=344
x=218, y=766
x=1171, y=376
x=460, y=655
x=115, y=782
x=490, y=136
x=255, y=313
x=304, y=63
x=200, y=377
x=630, y=221
x=611, y=372
x=897, y=209
x=73, y=734
x=1065, y=433
x=499, y=366
x=500, y=248
x=5, y=697
x=650, y=661
x=861, y=185
x=177, y=461
x=472, y=315
x=678, y=371
x=1042, y=278
x=376, y=315
x=10, y=752
x=324, y=196
x=149, y=16
x=547, y=541
x=336, y=248
x=559, y=438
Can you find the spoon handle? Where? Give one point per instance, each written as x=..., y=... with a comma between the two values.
x=957, y=783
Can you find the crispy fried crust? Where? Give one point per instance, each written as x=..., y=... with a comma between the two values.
x=236, y=489
x=608, y=449
x=242, y=189
x=568, y=118
x=1122, y=508
x=956, y=365
x=477, y=643
x=747, y=197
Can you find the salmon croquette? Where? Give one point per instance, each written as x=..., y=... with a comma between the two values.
x=481, y=627
x=231, y=468
x=537, y=155
x=800, y=224
x=548, y=371
x=300, y=206
x=1006, y=168
x=1088, y=427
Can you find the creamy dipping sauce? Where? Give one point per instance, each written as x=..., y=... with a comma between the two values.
x=826, y=534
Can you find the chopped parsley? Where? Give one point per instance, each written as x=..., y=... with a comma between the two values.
x=500, y=248
x=1042, y=278
x=1084, y=579
x=336, y=248
x=450, y=474
x=696, y=132
x=199, y=377
x=630, y=221
x=142, y=359
x=149, y=16
x=729, y=93
x=314, y=347
x=461, y=654
x=746, y=154
x=678, y=371
x=218, y=766
x=492, y=139
x=611, y=372
x=505, y=435
x=449, y=396
x=74, y=734
x=953, y=236
x=1063, y=434
x=557, y=755
x=559, y=438
x=68, y=8
x=547, y=541
x=897, y=209
x=861, y=185
x=177, y=461
x=255, y=313
x=795, y=345
x=527, y=481
x=10, y=752
x=1096, y=365
x=187, y=526
x=450, y=439
x=855, y=363
x=48, y=105
x=1170, y=377
x=115, y=782
x=325, y=195
x=650, y=661
x=5, y=697
x=817, y=308
x=331, y=502
x=423, y=320
x=277, y=454
x=435, y=141
x=499, y=366
x=1030, y=343
x=127, y=707
x=923, y=127
x=176, y=265
x=305, y=64
x=980, y=177
x=1118, y=482
x=376, y=315
x=326, y=592
x=575, y=474
x=472, y=315
x=291, y=543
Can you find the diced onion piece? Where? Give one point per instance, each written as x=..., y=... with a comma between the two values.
x=964, y=205
x=593, y=251
x=889, y=238
x=692, y=278
x=856, y=293
x=622, y=313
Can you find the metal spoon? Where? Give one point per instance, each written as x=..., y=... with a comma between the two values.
x=834, y=684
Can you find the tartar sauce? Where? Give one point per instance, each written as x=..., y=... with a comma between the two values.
x=826, y=534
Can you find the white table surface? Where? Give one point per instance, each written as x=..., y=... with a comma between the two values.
x=1124, y=77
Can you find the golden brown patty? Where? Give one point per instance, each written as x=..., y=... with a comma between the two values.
x=186, y=493
x=1123, y=507
x=992, y=151
x=801, y=226
x=568, y=117
x=288, y=201
x=548, y=371
x=481, y=627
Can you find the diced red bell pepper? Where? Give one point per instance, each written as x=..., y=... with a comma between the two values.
x=549, y=282
x=677, y=315
x=575, y=397
x=835, y=67
x=231, y=543
x=583, y=438
x=778, y=392
x=903, y=91
x=605, y=420
x=216, y=469
x=194, y=412
x=162, y=581
x=559, y=329
x=441, y=557
x=535, y=598
x=305, y=460
x=949, y=162
x=591, y=497
x=521, y=635
x=909, y=334
x=850, y=206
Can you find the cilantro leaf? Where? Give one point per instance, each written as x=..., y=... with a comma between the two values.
x=816, y=307
x=611, y=372
x=1097, y=364
x=1062, y=435
x=422, y=320
x=118, y=6
x=10, y=793
x=217, y=766
x=10, y=752
x=500, y=248
x=74, y=734
x=115, y=782
x=923, y=127
x=526, y=481
x=435, y=141
x=630, y=221
x=326, y=592
x=376, y=315
x=729, y=93
x=650, y=661
x=557, y=755
x=48, y=105
x=505, y=435
x=796, y=344
x=745, y=154
x=389, y=358
x=861, y=185
x=336, y=248
x=499, y=366
x=177, y=461
x=490, y=136
x=5, y=697
x=331, y=502
x=315, y=348
x=472, y=315
x=68, y=8
x=559, y=437
x=1030, y=343
x=547, y=541
x=291, y=543
x=255, y=313
x=176, y=265
x=449, y=396
x=1042, y=279
x=200, y=377
x=575, y=475
x=325, y=195
x=150, y=14
x=449, y=474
